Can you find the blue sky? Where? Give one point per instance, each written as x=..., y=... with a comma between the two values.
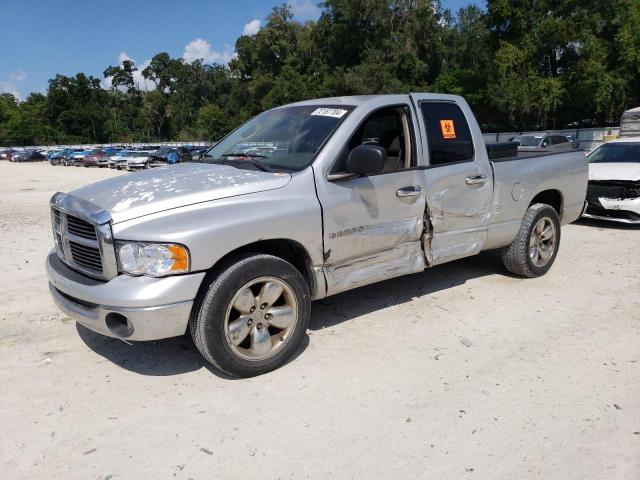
x=41, y=38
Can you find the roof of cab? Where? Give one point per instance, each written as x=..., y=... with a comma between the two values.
x=358, y=100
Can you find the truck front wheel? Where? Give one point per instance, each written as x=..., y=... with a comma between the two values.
x=252, y=315
x=535, y=247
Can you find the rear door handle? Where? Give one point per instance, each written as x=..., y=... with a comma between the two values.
x=476, y=179
x=411, y=191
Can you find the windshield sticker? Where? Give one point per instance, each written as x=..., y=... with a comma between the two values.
x=329, y=112
x=448, y=129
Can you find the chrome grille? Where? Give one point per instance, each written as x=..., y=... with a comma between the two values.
x=88, y=257
x=82, y=245
x=56, y=220
x=77, y=226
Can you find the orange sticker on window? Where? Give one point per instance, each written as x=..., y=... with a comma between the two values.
x=448, y=130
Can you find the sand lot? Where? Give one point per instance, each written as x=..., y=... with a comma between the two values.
x=459, y=372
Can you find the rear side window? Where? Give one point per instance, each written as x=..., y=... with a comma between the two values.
x=448, y=133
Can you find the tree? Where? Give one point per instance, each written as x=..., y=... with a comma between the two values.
x=520, y=64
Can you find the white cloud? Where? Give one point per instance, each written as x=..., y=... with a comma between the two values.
x=9, y=87
x=139, y=81
x=200, y=49
x=304, y=9
x=251, y=28
x=123, y=57
x=18, y=76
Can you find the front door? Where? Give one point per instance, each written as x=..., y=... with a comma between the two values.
x=373, y=224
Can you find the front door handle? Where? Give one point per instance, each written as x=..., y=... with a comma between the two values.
x=476, y=179
x=411, y=191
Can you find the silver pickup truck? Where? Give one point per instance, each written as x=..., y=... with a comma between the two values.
x=299, y=203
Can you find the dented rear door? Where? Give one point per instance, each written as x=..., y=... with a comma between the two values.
x=459, y=178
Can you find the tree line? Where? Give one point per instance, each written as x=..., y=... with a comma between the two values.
x=521, y=64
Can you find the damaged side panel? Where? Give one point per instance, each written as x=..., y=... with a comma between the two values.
x=392, y=249
x=457, y=213
x=400, y=260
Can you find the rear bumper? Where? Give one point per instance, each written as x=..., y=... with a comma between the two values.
x=135, y=308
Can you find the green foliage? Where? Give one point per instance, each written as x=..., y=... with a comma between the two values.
x=520, y=64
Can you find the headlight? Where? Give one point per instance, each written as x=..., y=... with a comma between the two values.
x=154, y=259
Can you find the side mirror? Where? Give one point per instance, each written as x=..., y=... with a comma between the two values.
x=366, y=159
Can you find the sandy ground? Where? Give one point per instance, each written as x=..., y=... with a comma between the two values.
x=458, y=372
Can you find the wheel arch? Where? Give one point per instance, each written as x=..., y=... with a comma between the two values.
x=551, y=197
x=286, y=249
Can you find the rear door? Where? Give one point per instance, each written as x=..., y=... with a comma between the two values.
x=458, y=180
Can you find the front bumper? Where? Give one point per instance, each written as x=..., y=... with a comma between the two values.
x=616, y=210
x=134, y=166
x=135, y=308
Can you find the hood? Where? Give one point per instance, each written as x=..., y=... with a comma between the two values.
x=151, y=191
x=614, y=171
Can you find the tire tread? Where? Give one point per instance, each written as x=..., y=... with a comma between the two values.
x=516, y=256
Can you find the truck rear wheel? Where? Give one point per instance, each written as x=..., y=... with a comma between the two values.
x=252, y=315
x=535, y=247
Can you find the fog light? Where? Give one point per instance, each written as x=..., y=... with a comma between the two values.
x=119, y=325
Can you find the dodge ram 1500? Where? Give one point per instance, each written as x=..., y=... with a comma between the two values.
x=301, y=202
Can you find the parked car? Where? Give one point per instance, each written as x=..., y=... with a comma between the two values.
x=630, y=123
x=51, y=153
x=67, y=155
x=197, y=152
x=235, y=249
x=99, y=157
x=614, y=181
x=91, y=159
x=28, y=156
x=119, y=156
x=545, y=142
x=139, y=160
x=77, y=158
x=8, y=154
x=59, y=157
x=170, y=156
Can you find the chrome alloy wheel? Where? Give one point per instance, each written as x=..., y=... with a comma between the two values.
x=542, y=243
x=261, y=318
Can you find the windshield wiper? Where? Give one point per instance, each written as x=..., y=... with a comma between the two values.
x=250, y=157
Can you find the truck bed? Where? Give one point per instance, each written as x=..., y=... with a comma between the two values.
x=517, y=181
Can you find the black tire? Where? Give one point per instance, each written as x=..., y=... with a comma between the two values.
x=207, y=323
x=516, y=256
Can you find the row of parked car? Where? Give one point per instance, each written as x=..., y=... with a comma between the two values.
x=126, y=158
x=23, y=155
x=121, y=158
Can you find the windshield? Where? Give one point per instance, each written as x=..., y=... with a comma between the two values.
x=616, y=153
x=285, y=138
x=528, y=141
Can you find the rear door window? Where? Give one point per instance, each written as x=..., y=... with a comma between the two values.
x=448, y=135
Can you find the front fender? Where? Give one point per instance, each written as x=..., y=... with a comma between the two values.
x=213, y=229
